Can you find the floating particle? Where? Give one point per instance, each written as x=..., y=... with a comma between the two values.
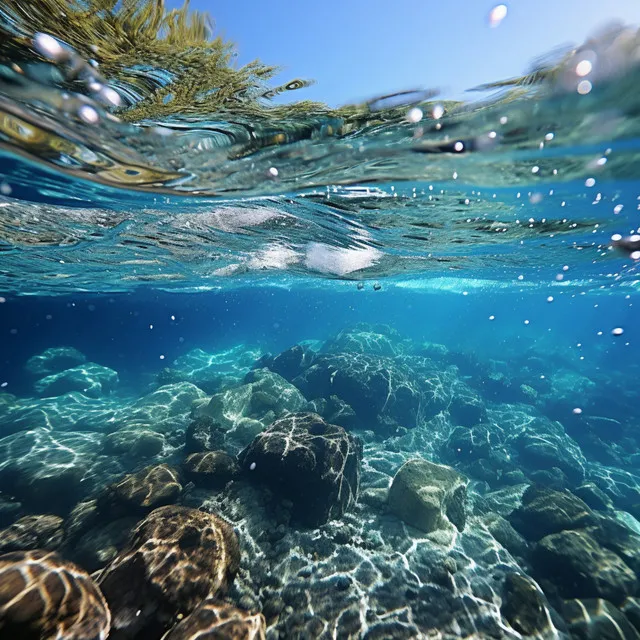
x=618, y=331
x=497, y=15
x=550, y=299
x=414, y=115
x=252, y=466
x=536, y=198
x=577, y=411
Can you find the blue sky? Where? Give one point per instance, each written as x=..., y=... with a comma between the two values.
x=356, y=49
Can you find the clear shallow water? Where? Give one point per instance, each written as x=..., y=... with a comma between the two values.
x=191, y=301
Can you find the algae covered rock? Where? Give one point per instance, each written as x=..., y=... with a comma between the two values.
x=45, y=532
x=54, y=360
x=545, y=511
x=136, y=443
x=427, y=496
x=579, y=567
x=524, y=606
x=217, y=620
x=313, y=464
x=245, y=410
x=44, y=596
x=140, y=492
x=203, y=434
x=210, y=468
x=90, y=379
x=176, y=558
x=597, y=619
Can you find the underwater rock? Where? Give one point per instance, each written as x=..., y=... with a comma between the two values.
x=81, y=518
x=91, y=379
x=379, y=340
x=545, y=511
x=597, y=619
x=44, y=532
x=631, y=609
x=210, y=468
x=314, y=464
x=335, y=411
x=137, y=443
x=619, y=538
x=524, y=606
x=54, y=360
x=49, y=472
x=246, y=410
x=166, y=410
x=151, y=487
x=378, y=388
x=500, y=528
x=44, y=596
x=466, y=407
x=213, y=620
x=428, y=496
x=213, y=372
x=9, y=510
x=579, y=567
x=175, y=559
x=99, y=545
x=290, y=363
x=545, y=444
x=203, y=434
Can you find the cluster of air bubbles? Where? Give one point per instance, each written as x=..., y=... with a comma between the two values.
x=78, y=69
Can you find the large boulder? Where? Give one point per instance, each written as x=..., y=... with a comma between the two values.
x=203, y=434
x=90, y=379
x=314, y=464
x=134, y=443
x=428, y=496
x=525, y=607
x=579, y=567
x=377, y=340
x=176, y=559
x=44, y=596
x=54, y=360
x=597, y=619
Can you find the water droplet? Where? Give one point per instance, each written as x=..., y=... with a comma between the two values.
x=414, y=115
x=497, y=15
x=583, y=68
x=584, y=87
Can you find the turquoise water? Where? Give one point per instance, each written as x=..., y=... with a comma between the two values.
x=321, y=376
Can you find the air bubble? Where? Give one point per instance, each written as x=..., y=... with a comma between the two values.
x=618, y=331
x=497, y=15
